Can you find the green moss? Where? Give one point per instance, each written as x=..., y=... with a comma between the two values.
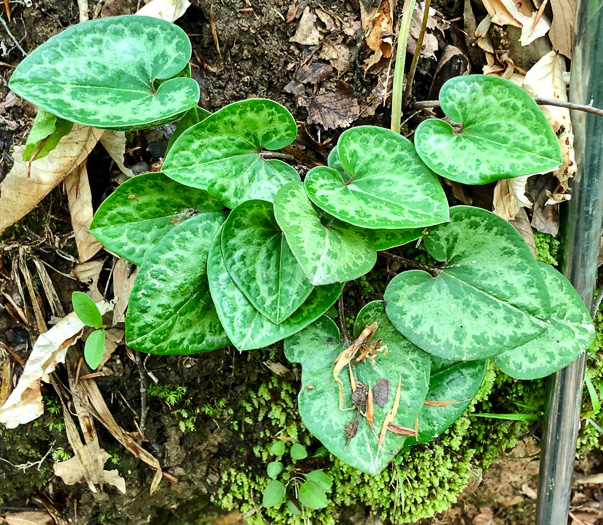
x=547, y=248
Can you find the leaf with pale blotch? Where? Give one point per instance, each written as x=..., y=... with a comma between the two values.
x=223, y=154
x=189, y=119
x=101, y=72
x=386, y=239
x=142, y=210
x=260, y=262
x=377, y=181
x=570, y=333
x=317, y=347
x=327, y=249
x=504, y=134
x=45, y=134
x=247, y=328
x=453, y=387
x=488, y=297
x=170, y=309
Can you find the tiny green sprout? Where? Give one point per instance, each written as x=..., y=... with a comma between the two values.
x=298, y=452
x=89, y=314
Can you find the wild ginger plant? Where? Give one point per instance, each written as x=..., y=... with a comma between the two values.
x=234, y=247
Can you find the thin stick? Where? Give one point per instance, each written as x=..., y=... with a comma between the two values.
x=342, y=326
x=410, y=263
x=415, y=59
x=12, y=37
x=143, y=391
x=398, y=85
x=429, y=104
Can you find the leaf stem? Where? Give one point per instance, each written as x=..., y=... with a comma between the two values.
x=432, y=270
x=415, y=59
x=341, y=317
x=277, y=155
x=398, y=85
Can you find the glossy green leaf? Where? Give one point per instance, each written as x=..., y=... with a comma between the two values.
x=488, y=297
x=388, y=185
x=45, y=134
x=273, y=494
x=94, y=348
x=260, y=262
x=298, y=452
x=504, y=134
x=327, y=249
x=189, y=119
x=317, y=347
x=456, y=385
x=386, y=239
x=86, y=310
x=320, y=478
x=247, y=328
x=100, y=73
x=569, y=334
x=170, y=309
x=274, y=469
x=142, y=210
x=223, y=154
x=312, y=495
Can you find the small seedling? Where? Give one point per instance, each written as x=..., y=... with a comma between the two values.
x=89, y=314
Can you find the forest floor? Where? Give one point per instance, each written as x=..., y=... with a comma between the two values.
x=326, y=62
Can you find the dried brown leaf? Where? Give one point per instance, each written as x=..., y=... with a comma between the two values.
x=27, y=184
x=509, y=197
x=29, y=517
x=522, y=224
x=381, y=391
x=114, y=143
x=124, y=275
x=562, y=28
x=277, y=368
x=169, y=10
x=307, y=34
x=337, y=54
x=518, y=14
x=333, y=109
x=377, y=25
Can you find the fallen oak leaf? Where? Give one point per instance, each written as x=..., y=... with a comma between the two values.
x=332, y=109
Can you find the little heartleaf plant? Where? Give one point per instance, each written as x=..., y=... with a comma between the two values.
x=299, y=487
x=89, y=314
x=234, y=247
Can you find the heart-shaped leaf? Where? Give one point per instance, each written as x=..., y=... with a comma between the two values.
x=223, y=154
x=142, y=210
x=170, y=309
x=327, y=249
x=247, y=328
x=570, y=333
x=488, y=297
x=317, y=347
x=101, y=73
x=189, y=119
x=386, y=184
x=45, y=134
x=450, y=392
x=504, y=134
x=260, y=262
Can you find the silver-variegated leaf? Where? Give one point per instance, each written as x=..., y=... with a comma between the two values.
x=503, y=133
x=489, y=295
x=569, y=334
x=103, y=73
x=170, y=309
x=223, y=154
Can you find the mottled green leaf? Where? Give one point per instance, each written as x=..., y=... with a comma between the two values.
x=100, y=73
x=317, y=347
x=45, y=134
x=504, y=134
x=94, y=348
x=189, y=119
x=170, y=309
x=386, y=239
x=223, y=154
x=570, y=333
x=327, y=249
x=388, y=185
x=312, y=495
x=86, y=310
x=260, y=262
x=142, y=210
x=273, y=494
x=456, y=385
x=247, y=328
x=488, y=297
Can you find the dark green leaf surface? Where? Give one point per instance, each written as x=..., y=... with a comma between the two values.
x=316, y=347
x=489, y=297
x=386, y=239
x=94, y=348
x=142, y=210
x=170, y=309
x=189, y=119
x=223, y=155
x=457, y=383
x=312, y=495
x=45, y=134
x=388, y=185
x=273, y=494
x=327, y=249
x=247, y=328
x=100, y=73
x=260, y=262
x=86, y=310
x=504, y=133
x=570, y=333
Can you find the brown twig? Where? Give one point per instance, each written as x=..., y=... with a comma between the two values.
x=143, y=391
x=411, y=264
x=341, y=318
x=415, y=59
x=428, y=104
